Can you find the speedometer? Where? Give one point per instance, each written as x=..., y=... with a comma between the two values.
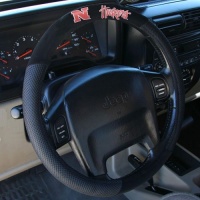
x=68, y=47
x=80, y=44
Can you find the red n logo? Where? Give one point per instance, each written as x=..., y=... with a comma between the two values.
x=83, y=14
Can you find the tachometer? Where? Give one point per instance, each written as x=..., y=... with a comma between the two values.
x=23, y=48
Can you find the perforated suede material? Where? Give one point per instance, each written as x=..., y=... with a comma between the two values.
x=45, y=149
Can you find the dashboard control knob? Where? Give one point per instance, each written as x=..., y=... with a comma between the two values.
x=17, y=112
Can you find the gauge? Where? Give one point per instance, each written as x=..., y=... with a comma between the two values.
x=81, y=43
x=75, y=39
x=93, y=51
x=87, y=37
x=23, y=48
x=6, y=70
x=66, y=47
x=91, y=44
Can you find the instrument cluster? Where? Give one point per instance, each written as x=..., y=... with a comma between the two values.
x=16, y=52
x=80, y=43
x=14, y=60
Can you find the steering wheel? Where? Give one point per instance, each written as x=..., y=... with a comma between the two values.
x=105, y=108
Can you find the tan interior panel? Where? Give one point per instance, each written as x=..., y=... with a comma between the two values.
x=16, y=154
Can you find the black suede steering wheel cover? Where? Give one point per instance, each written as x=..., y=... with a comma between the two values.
x=32, y=92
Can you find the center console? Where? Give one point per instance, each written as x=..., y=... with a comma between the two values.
x=179, y=21
x=187, y=49
x=183, y=32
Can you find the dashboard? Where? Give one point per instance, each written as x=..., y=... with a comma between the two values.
x=105, y=42
x=16, y=49
x=84, y=45
x=101, y=42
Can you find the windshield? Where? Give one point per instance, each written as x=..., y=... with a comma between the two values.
x=11, y=4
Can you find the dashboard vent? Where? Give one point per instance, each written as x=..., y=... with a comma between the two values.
x=170, y=25
x=192, y=20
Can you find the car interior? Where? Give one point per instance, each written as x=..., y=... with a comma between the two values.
x=99, y=99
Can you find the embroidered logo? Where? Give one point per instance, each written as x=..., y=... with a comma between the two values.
x=81, y=14
x=114, y=13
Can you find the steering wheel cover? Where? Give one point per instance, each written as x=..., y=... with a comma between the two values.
x=32, y=92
